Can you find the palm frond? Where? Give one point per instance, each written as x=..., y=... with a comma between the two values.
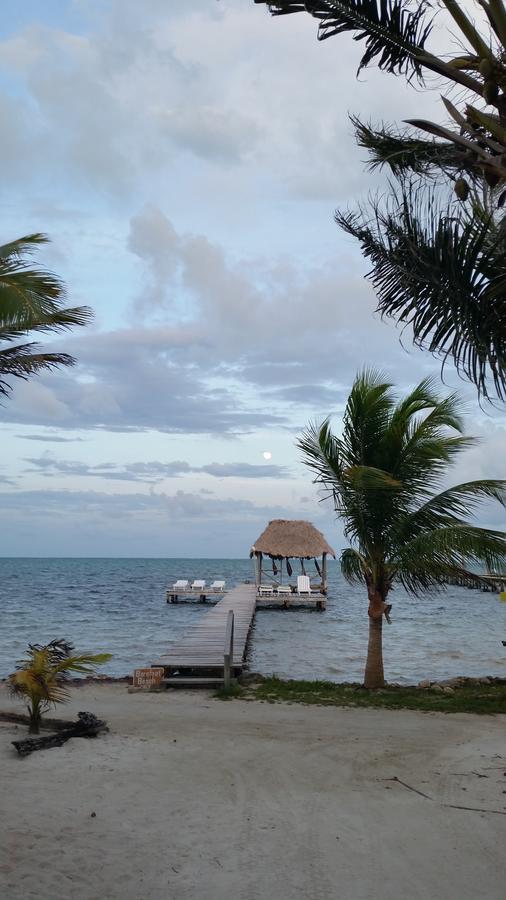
x=24, y=360
x=404, y=153
x=366, y=415
x=442, y=272
x=461, y=499
x=31, y=299
x=394, y=35
x=42, y=677
x=354, y=566
x=322, y=452
x=467, y=28
x=84, y=664
x=23, y=246
x=432, y=555
x=18, y=324
x=370, y=478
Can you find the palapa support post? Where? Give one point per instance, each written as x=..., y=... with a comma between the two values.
x=258, y=567
x=324, y=573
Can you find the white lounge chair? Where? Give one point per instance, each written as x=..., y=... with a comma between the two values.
x=198, y=585
x=180, y=585
x=303, y=585
x=218, y=587
x=265, y=589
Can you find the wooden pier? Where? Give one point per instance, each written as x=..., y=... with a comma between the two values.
x=198, y=596
x=215, y=647
x=495, y=583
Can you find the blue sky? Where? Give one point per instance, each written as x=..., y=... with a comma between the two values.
x=186, y=161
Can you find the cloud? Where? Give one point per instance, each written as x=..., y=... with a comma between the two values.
x=134, y=388
x=243, y=470
x=209, y=332
x=49, y=438
x=139, y=92
x=315, y=395
x=151, y=472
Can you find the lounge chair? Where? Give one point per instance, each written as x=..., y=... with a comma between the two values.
x=218, y=587
x=199, y=586
x=180, y=585
x=283, y=589
x=303, y=585
x=265, y=589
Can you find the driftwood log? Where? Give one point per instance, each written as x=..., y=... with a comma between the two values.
x=87, y=726
x=46, y=723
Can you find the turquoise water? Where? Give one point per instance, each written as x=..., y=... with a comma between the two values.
x=118, y=605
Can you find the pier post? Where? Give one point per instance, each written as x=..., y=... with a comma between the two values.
x=228, y=656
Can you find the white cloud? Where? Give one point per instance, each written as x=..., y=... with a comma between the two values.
x=152, y=472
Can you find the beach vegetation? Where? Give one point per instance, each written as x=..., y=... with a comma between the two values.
x=231, y=692
x=384, y=475
x=42, y=678
x=482, y=696
x=436, y=238
x=32, y=300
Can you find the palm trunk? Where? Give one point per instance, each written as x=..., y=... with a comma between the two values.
x=34, y=724
x=374, y=676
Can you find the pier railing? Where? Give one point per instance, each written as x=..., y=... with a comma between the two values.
x=228, y=655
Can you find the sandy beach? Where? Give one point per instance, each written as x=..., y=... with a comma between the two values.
x=199, y=799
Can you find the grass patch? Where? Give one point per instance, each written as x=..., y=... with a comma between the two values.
x=469, y=698
x=229, y=693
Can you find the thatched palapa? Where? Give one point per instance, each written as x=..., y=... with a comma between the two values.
x=291, y=538
x=286, y=539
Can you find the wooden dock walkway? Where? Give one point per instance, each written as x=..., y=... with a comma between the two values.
x=199, y=656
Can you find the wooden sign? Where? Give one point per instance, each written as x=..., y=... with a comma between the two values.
x=148, y=678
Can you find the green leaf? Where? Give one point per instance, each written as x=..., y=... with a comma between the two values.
x=442, y=271
x=31, y=299
x=394, y=35
x=404, y=153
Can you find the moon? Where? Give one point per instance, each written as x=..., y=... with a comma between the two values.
x=267, y=454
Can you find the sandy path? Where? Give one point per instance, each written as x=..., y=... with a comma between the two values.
x=196, y=799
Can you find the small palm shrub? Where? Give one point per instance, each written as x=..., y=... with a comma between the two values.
x=42, y=678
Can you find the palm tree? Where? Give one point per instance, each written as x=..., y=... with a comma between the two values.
x=42, y=678
x=438, y=263
x=31, y=299
x=381, y=475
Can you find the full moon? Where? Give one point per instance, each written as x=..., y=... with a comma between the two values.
x=267, y=454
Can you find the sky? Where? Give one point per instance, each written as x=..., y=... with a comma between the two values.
x=186, y=160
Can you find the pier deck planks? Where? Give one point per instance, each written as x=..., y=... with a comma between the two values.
x=203, y=646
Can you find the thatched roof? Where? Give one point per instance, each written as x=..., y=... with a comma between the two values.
x=285, y=538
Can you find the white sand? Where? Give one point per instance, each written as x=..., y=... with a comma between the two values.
x=197, y=799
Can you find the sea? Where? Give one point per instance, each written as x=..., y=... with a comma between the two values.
x=119, y=606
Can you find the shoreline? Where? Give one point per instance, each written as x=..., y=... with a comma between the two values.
x=480, y=696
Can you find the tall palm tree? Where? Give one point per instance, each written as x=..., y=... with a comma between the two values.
x=437, y=248
x=31, y=299
x=381, y=475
